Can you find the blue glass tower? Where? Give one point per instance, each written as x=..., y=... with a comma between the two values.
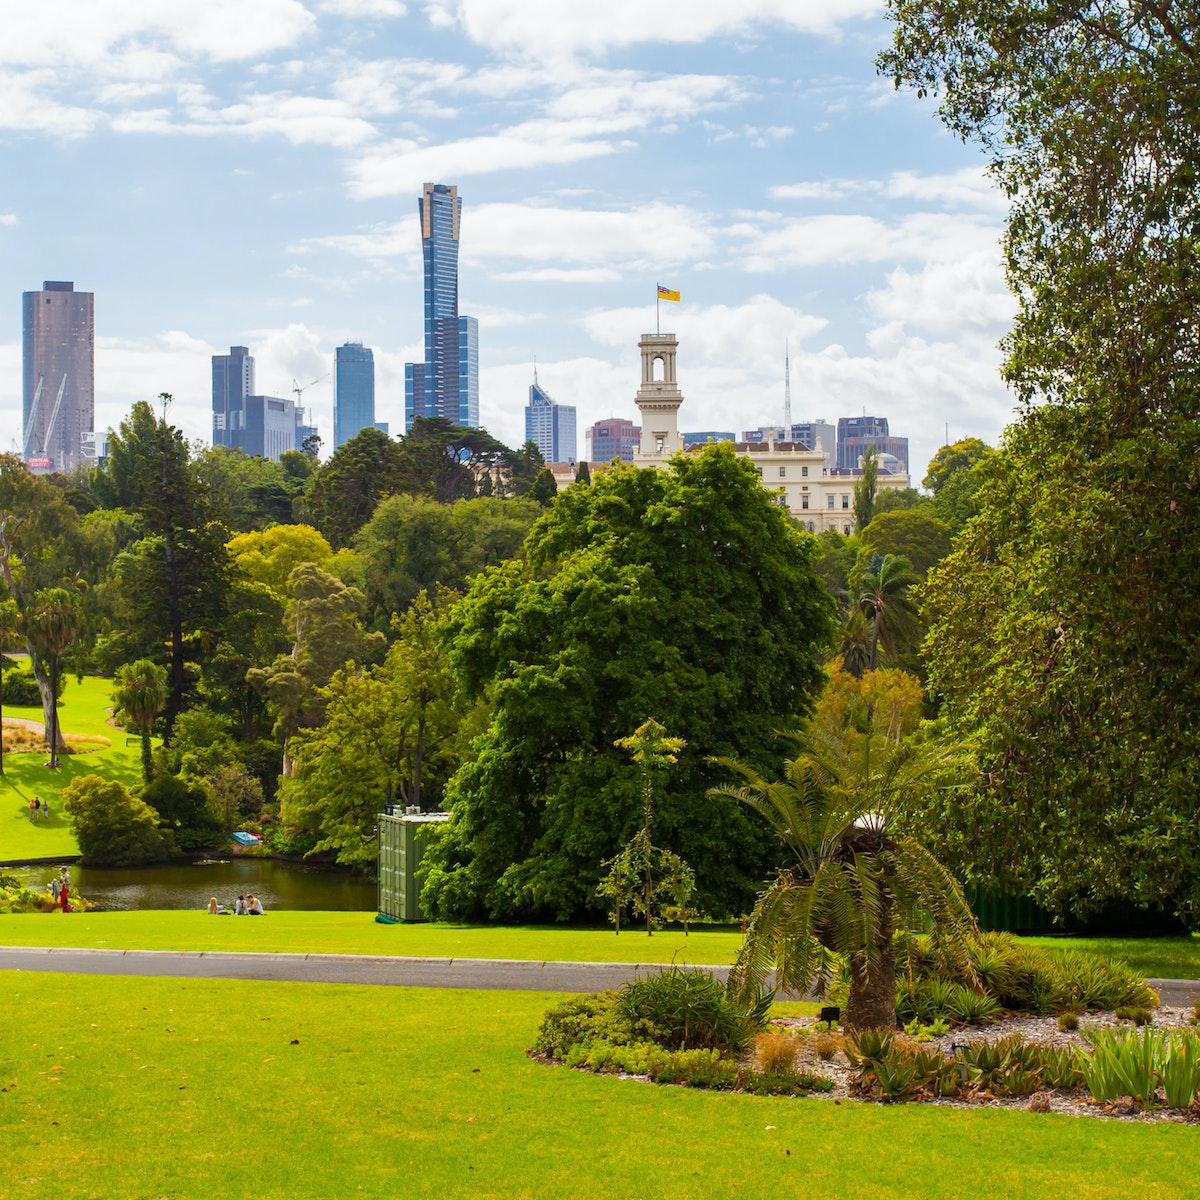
x=550, y=426
x=446, y=384
x=353, y=391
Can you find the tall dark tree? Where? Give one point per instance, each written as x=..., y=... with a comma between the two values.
x=683, y=594
x=345, y=491
x=179, y=588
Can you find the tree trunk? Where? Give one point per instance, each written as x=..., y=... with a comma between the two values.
x=872, y=1000
x=46, y=691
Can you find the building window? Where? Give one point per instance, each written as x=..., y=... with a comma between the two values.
x=804, y=472
x=783, y=472
x=846, y=529
x=812, y=527
x=845, y=500
x=803, y=501
x=832, y=501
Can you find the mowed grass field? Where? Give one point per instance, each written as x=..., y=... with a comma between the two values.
x=82, y=711
x=221, y=1090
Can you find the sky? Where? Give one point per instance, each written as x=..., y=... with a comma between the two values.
x=246, y=172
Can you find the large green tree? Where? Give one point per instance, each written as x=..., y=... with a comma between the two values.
x=44, y=544
x=173, y=583
x=1064, y=636
x=683, y=594
x=392, y=734
x=413, y=543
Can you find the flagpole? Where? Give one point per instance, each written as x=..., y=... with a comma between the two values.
x=657, y=303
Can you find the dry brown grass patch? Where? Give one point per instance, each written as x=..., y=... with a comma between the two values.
x=775, y=1051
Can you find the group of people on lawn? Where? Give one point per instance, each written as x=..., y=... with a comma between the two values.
x=39, y=810
x=60, y=889
x=248, y=905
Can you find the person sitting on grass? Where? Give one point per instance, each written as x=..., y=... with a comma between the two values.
x=254, y=906
x=213, y=907
x=239, y=909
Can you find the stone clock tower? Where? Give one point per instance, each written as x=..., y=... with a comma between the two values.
x=658, y=400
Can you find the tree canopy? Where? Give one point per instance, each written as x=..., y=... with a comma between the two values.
x=683, y=594
x=1059, y=639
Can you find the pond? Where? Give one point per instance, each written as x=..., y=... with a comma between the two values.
x=278, y=884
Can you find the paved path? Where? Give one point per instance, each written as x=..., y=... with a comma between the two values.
x=477, y=973
x=508, y=974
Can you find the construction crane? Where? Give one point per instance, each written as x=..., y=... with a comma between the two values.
x=299, y=391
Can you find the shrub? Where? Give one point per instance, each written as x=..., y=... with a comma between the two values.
x=775, y=1051
x=1120, y=1063
x=683, y=1010
x=1015, y=976
x=973, y=1008
x=113, y=828
x=19, y=688
x=826, y=1044
x=1179, y=1068
x=581, y=1021
x=782, y=1083
x=1134, y=1013
x=1067, y=1022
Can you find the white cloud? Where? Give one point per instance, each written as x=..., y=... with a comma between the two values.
x=369, y=9
x=63, y=33
x=26, y=106
x=968, y=188
x=958, y=295
x=831, y=239
x=401, y=168
x=821, y=189
x=8, y=218
x=302, y=120
x=549, y=28
x=566, y=244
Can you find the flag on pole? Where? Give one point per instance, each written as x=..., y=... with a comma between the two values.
x=667, y=293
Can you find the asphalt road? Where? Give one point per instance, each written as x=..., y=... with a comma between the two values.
x=477, y=973
x=504, y=974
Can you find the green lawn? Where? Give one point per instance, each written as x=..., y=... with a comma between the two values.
x=1157, y=958
x=357, y=933
x=81, y=711
x=221, y=1089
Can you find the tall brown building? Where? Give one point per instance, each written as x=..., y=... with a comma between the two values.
x=59, y=379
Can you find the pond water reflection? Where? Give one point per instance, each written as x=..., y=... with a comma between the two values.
x=278, y=884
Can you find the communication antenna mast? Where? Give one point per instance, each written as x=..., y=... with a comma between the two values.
x=787, y=393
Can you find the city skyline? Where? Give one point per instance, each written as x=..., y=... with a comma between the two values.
x=260, y=190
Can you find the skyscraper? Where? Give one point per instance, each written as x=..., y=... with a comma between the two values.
x=59, y=388
x=616, y=438
x=550, y=426
x=856, y=434
x=353, y=391
x=446, y=384
x=232, y=384
x=264, y=426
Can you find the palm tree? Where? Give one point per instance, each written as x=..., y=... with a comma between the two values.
x=140, y=695
x=884, y=601
x=852, y=878
x=53, y=624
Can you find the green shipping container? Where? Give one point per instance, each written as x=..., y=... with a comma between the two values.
x=402, y=840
